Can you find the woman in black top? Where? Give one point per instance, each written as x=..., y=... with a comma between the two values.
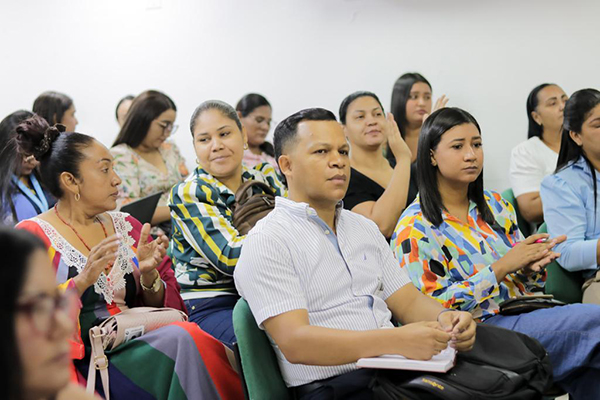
x=376, y=190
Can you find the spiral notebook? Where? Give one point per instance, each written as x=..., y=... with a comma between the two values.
x=442, y=362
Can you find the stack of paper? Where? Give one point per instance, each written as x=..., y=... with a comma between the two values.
x=439, y=363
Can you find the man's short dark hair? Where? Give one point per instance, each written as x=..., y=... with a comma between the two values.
x=286, y=130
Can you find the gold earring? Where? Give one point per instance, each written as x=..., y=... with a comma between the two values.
x=245, y=146
x=197, y=161
x=77, y=197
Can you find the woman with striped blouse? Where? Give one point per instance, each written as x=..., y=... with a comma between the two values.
x=205, y=245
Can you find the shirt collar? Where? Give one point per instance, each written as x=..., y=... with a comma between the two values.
x=247, y=173
x=301, y=209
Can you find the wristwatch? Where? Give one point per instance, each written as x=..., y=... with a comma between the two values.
x=155, y=285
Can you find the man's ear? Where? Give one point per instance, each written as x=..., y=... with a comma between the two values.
x=285, y=165
x=576, y=138
x=69, y=183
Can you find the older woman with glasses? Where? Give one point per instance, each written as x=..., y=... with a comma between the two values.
x=144, y=159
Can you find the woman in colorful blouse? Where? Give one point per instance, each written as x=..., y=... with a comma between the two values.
x=570, y=196
x=461, y=245
x=144, y=159
x=107, y=258
x=21, y=192
x=255, y=114
x=205, y=245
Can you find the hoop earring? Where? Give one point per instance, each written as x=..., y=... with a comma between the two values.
x=245, y=146
x=197, y=161
x=77, y=197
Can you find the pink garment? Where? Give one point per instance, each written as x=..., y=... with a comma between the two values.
x=252, y=160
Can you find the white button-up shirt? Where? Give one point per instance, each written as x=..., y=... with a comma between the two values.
x=292, y=260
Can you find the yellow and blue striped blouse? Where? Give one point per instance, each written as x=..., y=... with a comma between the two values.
x=205, y=246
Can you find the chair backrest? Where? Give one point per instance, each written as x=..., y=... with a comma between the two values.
x=260, y=370
x=524, y=226
x=562, y=284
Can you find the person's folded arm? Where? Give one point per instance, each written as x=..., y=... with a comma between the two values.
x=565, y=214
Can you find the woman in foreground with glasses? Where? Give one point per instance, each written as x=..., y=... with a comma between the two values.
x=107, y=258
x=144, y=159
x=35, y=356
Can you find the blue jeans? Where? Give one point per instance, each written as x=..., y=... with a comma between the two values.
x=213, y=316
x=571, y=335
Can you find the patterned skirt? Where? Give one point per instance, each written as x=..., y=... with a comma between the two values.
x=176, y=362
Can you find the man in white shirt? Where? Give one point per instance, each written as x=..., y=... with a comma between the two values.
x=323, y=282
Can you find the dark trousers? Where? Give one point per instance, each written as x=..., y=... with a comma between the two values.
x=352, y=385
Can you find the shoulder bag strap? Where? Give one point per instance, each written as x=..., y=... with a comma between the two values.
x=98, y=361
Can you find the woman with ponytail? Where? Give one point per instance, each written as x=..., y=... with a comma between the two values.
x=570, y=195
x=110, y=261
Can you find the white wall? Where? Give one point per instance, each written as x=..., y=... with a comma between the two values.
x=485, y=55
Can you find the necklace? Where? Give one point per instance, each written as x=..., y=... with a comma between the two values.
x=73, y=229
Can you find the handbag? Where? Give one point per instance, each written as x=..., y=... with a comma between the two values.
x=525, y=304
x=250, y=207
x=121, y=328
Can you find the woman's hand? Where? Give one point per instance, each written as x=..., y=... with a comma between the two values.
x=150, y=255
x=397, y=144
x=101, y=259
x=528, y=256
x=440, y=103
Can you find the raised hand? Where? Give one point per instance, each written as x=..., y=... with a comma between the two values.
x=440, y=103
x=150, y=254
x=397, y=144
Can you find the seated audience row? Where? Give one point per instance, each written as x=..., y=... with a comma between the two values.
x=108, y=259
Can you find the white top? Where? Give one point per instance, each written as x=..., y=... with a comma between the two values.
x=530, y=162
x=292, y=260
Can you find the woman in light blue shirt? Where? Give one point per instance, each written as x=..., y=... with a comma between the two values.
x=21, y=193
x=570, y=195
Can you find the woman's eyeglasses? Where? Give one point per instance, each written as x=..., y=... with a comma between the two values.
x=42, y=309
x=168, y=127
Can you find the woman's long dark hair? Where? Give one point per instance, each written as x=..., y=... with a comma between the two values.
x=249, y=103
x=577, y=110
x=534, y=128
x=16, y=249
x=400, y=95
x=10, y=161
x=145, y=108
x=438, y=123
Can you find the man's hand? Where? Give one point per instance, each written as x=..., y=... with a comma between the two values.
x=461, y=327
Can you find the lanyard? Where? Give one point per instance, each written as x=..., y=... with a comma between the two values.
x=39, y=199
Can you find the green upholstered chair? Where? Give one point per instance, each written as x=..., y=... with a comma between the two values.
x=260, y=373
x=562, y=284
x=524, y=226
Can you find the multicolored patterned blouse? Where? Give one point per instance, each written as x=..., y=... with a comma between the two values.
x=452, y=262
x=141, y=179
x=205, y=245
x=178, y=361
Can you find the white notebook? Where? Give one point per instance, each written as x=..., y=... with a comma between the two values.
x=442, y=362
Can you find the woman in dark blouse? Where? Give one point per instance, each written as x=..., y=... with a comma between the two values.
x=376, y=189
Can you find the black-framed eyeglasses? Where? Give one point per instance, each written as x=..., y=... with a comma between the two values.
x=168, y=127
x=42, y=309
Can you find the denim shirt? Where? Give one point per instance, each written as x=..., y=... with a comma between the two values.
x=569, y=209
